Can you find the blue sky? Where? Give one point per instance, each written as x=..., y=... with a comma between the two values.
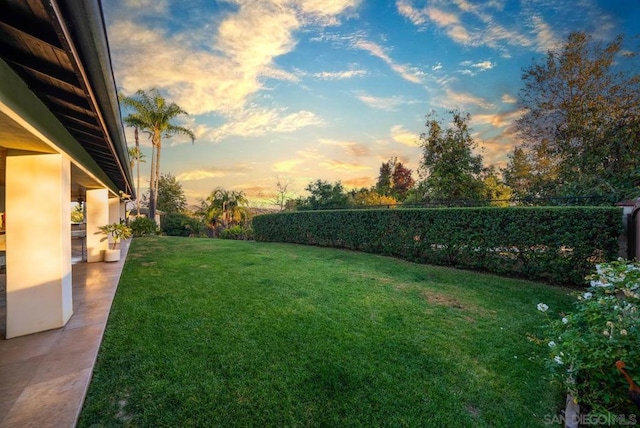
x=300, y=90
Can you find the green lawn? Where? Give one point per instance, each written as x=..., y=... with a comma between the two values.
x=210, y=332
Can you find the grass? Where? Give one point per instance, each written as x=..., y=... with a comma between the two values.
x=231, y=333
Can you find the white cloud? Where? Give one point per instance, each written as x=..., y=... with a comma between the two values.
x=336, y=165
x=385, y=103
x=466, y=23
x=508, y=99
x=378, y=51
x=358, y=182
x=205, y=71
x=339, y=75
x=310, y=154
x=546, y=39
x=199, y=175
x=464, y=99
x=286, y=165
x=406, y=9
x=497, y=120
x=402, y=136
x=257, y=121
x=442, y=18
x=295, y=121
x=483, y=65
x=477, y=66
x=278, y=74
x=359, y=40
x=436, y=67
x=485, y=23
x=198, y=81
x=351, y=147
x=159, y=7
x=324, y=12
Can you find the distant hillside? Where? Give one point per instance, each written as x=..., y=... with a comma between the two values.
x=258, y=210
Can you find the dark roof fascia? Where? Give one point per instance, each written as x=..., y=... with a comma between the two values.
x=85, y=21
x=20, y=99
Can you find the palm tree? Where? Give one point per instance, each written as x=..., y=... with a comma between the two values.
x=153, y=115
x=224, y=208
x=136, y=157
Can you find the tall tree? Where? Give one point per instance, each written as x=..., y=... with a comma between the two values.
x=136, y=157
x=449, y=166
x=224, y=208
x=532, y=173
x=582, y=110
x=518, y=174
x=495, y=190
x=152, y=115
x=394, y=179
x=283, y=193
x=402, y=181
x=323, y=195
x=383, y=185
x=171, y=198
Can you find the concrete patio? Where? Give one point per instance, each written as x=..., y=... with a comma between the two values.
x=44, y=376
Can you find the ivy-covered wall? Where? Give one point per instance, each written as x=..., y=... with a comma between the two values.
x=558, y=244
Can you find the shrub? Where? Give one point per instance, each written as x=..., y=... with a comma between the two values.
x=237, y=232
x=603, y=328
x=558, y=244
x=142, y=226
x=175, y=224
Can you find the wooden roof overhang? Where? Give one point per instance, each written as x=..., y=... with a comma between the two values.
x=59, y=49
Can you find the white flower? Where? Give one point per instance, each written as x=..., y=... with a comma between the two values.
x=542, y=307
x=623, y=332
x=599, y=284
x=605, y=332
x=565, y=320
x=558, y=360
x=552, y=344
x=587, y=295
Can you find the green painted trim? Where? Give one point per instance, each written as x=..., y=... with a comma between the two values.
x=17, y=96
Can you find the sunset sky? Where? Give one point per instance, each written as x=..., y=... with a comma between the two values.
x=301, y=90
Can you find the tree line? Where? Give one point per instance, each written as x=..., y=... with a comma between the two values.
x=223, y=213
x=578, y=136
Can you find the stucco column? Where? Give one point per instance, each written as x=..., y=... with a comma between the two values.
x=97, y=215
x=38, y=238
x=123, y=210
x=114, y=213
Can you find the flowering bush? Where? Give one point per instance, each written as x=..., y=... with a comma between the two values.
x=604, y=327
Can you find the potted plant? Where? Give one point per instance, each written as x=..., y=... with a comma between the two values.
x=117, y=231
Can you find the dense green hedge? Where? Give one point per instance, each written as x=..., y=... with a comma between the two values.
x=558, y=244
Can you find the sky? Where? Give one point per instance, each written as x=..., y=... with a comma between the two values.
x=300, y=90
